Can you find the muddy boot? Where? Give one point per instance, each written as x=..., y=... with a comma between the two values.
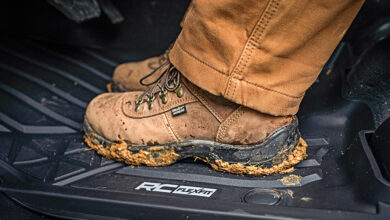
x=127, y=76
x=175, y=119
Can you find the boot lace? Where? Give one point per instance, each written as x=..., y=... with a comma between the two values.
x=168, y=81
x=161, y=59
x=156, y=63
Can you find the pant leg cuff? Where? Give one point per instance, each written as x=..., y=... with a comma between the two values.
x=245, y=93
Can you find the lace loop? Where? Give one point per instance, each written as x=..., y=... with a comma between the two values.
x=168, y=81
x=161, y=59
x=141, y=81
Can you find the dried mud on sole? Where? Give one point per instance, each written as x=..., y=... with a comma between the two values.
x=165, y=155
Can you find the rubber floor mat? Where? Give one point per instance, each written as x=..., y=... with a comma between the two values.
x=369, y=80
x=45, y=166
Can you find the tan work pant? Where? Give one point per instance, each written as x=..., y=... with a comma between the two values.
x=263, y=54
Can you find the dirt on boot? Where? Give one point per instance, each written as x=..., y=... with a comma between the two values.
x=154, y=156
x=286, y=166
x=163, y=155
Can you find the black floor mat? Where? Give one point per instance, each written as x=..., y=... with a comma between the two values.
x=369, y=80
x=44, y=164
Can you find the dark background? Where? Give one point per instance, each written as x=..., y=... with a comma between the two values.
x=149, y=25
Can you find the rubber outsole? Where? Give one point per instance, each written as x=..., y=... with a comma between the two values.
x=276, y=154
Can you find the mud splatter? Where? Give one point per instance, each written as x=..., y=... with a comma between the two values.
x=291, y=180
x=296, y=156
x=109, y=88
x=306, y=199
x=154, y=156
x=165, y=155
x=290, y=193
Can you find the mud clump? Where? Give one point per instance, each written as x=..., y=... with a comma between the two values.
x=286, y=166
x=153, y=156
x=108, y=87
x=166, y=155
x=291, y=180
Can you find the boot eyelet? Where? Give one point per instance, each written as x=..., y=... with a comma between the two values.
x=151, y=102
x=164, y=98
x=137, y=107
x=179, y=91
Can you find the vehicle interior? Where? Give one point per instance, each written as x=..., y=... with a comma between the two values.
x=57, y=55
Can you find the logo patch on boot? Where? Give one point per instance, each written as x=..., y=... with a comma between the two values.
x=179, y=110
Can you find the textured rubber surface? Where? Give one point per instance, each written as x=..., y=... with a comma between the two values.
x=78, y=11
x=44, y=90
x=369, y=80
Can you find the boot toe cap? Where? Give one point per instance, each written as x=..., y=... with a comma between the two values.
x=103, y=114
x=123, y=72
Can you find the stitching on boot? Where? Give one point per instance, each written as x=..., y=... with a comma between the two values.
x=204, y=102
x=199, y=60
x=258, y=31
x=221, y=133
x=170, y=128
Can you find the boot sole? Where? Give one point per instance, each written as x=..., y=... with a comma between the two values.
x=276, y=154
x=114, y=86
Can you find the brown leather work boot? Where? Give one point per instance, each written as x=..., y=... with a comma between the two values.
x=127, y=76
x=175, y=119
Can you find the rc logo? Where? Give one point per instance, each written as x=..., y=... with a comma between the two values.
x=176, y=189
